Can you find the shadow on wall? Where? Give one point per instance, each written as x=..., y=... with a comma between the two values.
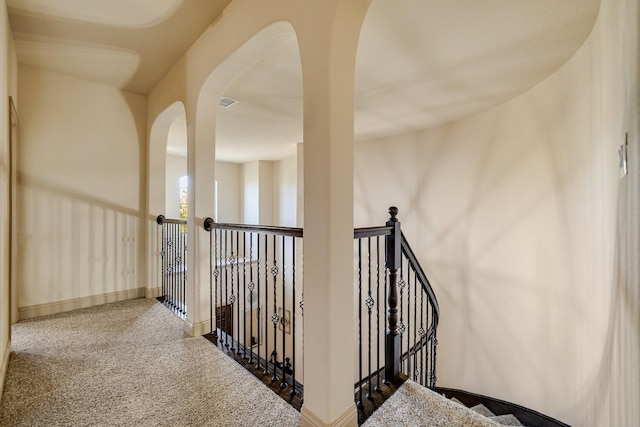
x=73, y=245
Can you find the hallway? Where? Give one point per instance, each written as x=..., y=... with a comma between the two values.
x=129, y=363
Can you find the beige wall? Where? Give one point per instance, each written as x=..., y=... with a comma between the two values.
x=526, y=233
x=176, y=168
x=228, y=176
x=8, y=87
x=81, y=192
x=285, y=192
x=270, y=192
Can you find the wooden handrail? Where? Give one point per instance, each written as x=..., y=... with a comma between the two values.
x=364, y=232
x=209, y=224
x=422, y=277
x=162, y=220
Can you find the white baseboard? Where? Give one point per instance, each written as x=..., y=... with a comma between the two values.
x=4, y=366
x=152, y=292
x=75, y=303
x=347, y=419
x=198, y=329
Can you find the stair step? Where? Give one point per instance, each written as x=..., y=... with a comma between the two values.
x=506, y=420
x=482, y=410
x=458, y=402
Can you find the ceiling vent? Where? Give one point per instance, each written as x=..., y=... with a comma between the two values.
x=226, y=102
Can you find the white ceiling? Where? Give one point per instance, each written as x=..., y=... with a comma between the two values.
x=420, y=63
x=127, y=44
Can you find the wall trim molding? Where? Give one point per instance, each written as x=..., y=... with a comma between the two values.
x=46, y=309
x=347, y=419
x=4, y=366
x=197, y=329
x=152, y=292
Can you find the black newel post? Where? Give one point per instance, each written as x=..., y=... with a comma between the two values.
x=392, y=256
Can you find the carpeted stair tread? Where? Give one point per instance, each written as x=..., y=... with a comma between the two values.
x=482, y=410
x=457, y=401
x=414, y=405
x=506, y=420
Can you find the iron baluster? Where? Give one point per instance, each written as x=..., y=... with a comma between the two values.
x=275, y=318
x=226, y=289
x=408, y=322
x=360, y=402
x=283, y=383
x=216, y=273
x=369, y=302
x=377, y=387
x=184, y=273
x=251, y=288
x=421, y=332
x=211, y=255
x=415, y=326
x=258, y=318
x=266, y=303
x=293, y=316
x=237, y=306
x=401, y=327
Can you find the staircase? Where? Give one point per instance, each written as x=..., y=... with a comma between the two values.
x=415, y=405
x=256, y=301
x=503, y=413
x=505, y=420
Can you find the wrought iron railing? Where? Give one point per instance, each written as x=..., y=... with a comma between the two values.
x=256, y=305
x=397, y=316
x=256, y=301
x=173, y=253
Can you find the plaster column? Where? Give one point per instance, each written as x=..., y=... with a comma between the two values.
x=201, y=163
x=328, y=53
x=155, y=170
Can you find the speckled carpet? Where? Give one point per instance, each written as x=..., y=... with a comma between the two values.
x=130, y=364
x=416, y=406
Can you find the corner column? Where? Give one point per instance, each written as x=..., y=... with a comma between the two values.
x=201, y=162
x=328, y=65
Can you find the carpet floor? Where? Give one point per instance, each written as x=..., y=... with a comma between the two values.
x=130, y=364
x=127, y=364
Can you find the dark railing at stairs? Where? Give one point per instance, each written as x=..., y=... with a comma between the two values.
x=256, y=307
x=173, y=240
x=257, y=294
x=397, y=316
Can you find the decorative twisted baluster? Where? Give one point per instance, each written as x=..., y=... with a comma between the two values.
x=251, y=288
x=275, y=318
x=283, y=383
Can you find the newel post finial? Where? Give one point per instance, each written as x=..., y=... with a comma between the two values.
x=393, y=213
x=208, y=223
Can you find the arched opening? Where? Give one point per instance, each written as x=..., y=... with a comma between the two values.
x=166, y=165
x=256, y=99
x=176, y=186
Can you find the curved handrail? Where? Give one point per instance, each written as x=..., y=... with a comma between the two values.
x=422, y=277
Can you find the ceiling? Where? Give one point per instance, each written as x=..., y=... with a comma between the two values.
x=127, y=44
x=420, y=63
